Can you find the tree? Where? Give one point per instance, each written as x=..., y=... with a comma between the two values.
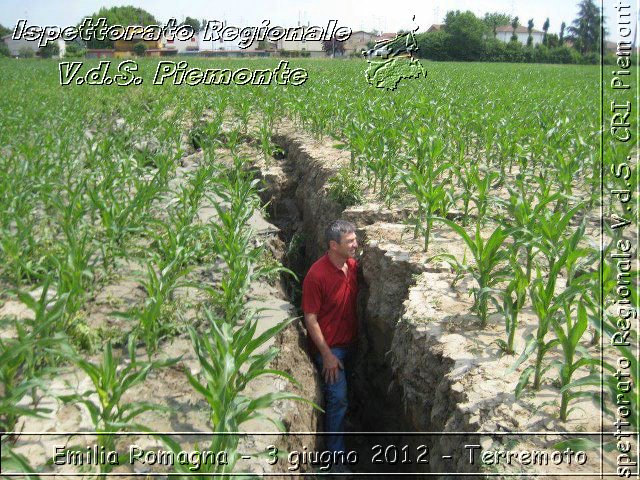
x=140, y=49
x=530, y=29
x=495, y=50
x=585, y=30
x=545, y=29
x=466, y=34
x=4, y=31
x=4, y=50
x=514, y=24
x=333, y=47
x=553, y=40
x=124, y=16
x=51, y=49
x=561, y=37
x=193, y=23
x=495, y=20
x=74, y=49
x=433, y=45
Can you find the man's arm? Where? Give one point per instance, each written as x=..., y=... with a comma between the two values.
x=330, y=363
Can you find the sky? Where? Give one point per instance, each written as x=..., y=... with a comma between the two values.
x=381, y=15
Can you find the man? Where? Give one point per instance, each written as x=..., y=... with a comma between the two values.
x=329, y=294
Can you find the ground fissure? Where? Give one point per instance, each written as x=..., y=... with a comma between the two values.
x=424, y=365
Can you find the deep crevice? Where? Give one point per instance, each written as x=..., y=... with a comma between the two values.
x=292, y=196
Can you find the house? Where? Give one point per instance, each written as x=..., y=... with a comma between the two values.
x=20, y=47
x=436, y=27
x=220, y=44
x=294, y=43
x=385, y=37
x=504, y=33
x=99, y=53
x=124, y=46
x=358, y=42
x=160, y=52
x=172, y=42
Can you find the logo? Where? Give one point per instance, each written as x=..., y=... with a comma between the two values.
x=392, y=60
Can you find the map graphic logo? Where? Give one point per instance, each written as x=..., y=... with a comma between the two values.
x=396, y=62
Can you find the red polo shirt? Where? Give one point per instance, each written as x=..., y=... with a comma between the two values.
x=329, y=293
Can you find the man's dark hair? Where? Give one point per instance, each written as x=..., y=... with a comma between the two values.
x=336, y=229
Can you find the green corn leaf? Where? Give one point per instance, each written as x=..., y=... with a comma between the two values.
x=589, y=380
x=528, y=350
x=524, y=379
x=580, y=325
x=584, y=444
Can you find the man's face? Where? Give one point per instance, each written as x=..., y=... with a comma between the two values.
x=347, y=246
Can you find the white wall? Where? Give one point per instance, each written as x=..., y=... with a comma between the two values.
x=181, y=45
x=16, y=45
x=227, y=45
x=522, y=37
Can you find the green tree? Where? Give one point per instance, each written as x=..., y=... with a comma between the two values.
x=514, y=25
x=194, y=23
x=51, y=49
x=545, y=29
x=4, y=50
x=495, y=20
x=530, y=30
x=74, y=49
x=495, y=50
x=553, y=40
x=514, y=52
x=585, y=30
x=140, y=49
x=4, y=31
x=125, y=16
x=333, y=47
x=433, y=45
x=466, y=35
x=561, y=37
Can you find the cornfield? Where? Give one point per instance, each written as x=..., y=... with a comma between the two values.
x=502, y=155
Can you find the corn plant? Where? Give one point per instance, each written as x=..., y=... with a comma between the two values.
x=345, y=188
x=510, y=303
x=27, y=359
x=569, y=334
x=611, y=381
x=483, y=185
x=120, y=214
x=422, y=183
x=568, y=168
x=488, y=268
x=267, y=147
x=551, y=227
x=232, y=239
x=465, y=175
x=159, y=286
x=230, y=357
x=523, y=217
x=18, y=381
x=19, y=249
x=602, y=284
x=546, y=304
x=75, y=269
x=111, y=381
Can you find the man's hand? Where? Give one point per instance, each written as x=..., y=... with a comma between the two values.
x=330, y=363
x=330, y=366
